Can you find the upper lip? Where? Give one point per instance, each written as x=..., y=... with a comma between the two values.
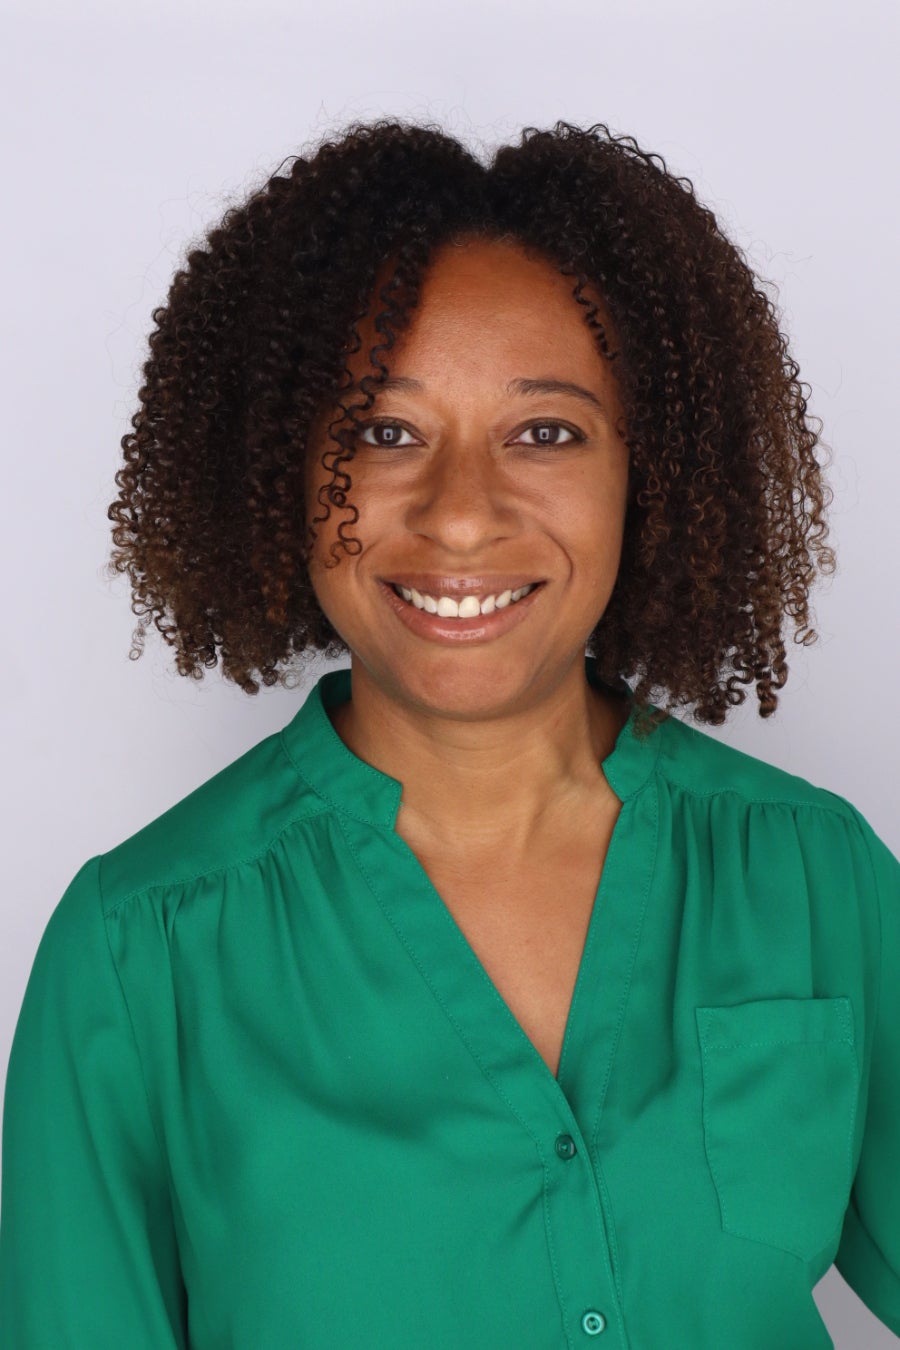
x=456, y=587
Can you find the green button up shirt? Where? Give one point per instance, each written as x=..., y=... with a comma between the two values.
x=262, y=1093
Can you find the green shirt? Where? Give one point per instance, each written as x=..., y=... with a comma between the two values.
x=262, y=1093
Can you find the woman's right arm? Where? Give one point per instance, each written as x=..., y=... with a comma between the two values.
x=88, y=1258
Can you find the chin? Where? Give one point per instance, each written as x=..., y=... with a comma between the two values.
x=469, y=695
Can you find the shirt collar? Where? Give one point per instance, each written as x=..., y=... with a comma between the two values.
x=358, y=789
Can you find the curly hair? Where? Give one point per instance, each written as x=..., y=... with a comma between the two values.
x=724, y=528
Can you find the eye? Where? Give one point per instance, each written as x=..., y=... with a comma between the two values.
x=386, y=434
x=393, y=430
x=548, y=432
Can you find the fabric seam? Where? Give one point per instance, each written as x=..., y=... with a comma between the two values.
x=163, y=1155
x=187, y=878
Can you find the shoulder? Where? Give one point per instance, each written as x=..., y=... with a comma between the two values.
x=706, y=767
x=724, y=790
x=232, y=818
x=697, y=764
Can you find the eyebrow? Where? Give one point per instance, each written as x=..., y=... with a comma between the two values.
x=405, y=384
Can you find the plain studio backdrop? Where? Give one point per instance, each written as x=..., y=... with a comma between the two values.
x=130, y=129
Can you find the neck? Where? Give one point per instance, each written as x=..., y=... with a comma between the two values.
x=489, y=785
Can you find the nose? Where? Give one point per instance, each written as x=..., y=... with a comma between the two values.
x=463, y=499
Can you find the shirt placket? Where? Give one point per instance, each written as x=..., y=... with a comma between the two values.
x=555, y=1114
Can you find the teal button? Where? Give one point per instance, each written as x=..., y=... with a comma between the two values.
x=565, y=1146
x=593, y=1322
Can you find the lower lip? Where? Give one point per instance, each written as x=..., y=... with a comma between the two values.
x=480, y=628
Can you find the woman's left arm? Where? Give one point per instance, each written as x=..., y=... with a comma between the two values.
x=869, y=1253
x=88, y=1252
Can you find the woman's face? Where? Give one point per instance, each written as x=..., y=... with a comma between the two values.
x=475, y=481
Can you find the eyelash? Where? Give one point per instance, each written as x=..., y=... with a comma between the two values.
x=537, y=445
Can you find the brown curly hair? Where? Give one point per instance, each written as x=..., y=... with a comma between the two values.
x=724, y=528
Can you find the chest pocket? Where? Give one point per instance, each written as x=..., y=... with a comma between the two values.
x=780, y=1090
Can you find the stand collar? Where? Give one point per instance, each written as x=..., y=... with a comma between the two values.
x=358, y=789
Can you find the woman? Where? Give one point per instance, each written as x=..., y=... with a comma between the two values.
x=487, y=1004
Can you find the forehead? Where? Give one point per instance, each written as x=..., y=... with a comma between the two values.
x=489, y=298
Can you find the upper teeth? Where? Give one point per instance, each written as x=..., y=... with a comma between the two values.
x=447, y=608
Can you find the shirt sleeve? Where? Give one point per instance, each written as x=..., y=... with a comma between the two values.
x=869, y=1253
x=88, y=1257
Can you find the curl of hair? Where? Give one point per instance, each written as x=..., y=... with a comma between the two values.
x=725, y=527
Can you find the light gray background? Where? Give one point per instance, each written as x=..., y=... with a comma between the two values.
x=129, y=130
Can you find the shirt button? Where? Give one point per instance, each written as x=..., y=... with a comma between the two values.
x=593, y=1322
x=565, y=1146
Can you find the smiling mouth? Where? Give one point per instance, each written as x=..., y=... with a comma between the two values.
x=467, y=607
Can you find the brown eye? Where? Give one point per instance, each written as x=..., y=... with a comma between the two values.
x=547, y=433
x=387, y=435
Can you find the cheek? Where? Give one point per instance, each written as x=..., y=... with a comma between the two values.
x=322, y=516
x=331, y=570
x=593, y=538
x=590, y=512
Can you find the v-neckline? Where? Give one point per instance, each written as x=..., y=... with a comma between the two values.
x=449, y=965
